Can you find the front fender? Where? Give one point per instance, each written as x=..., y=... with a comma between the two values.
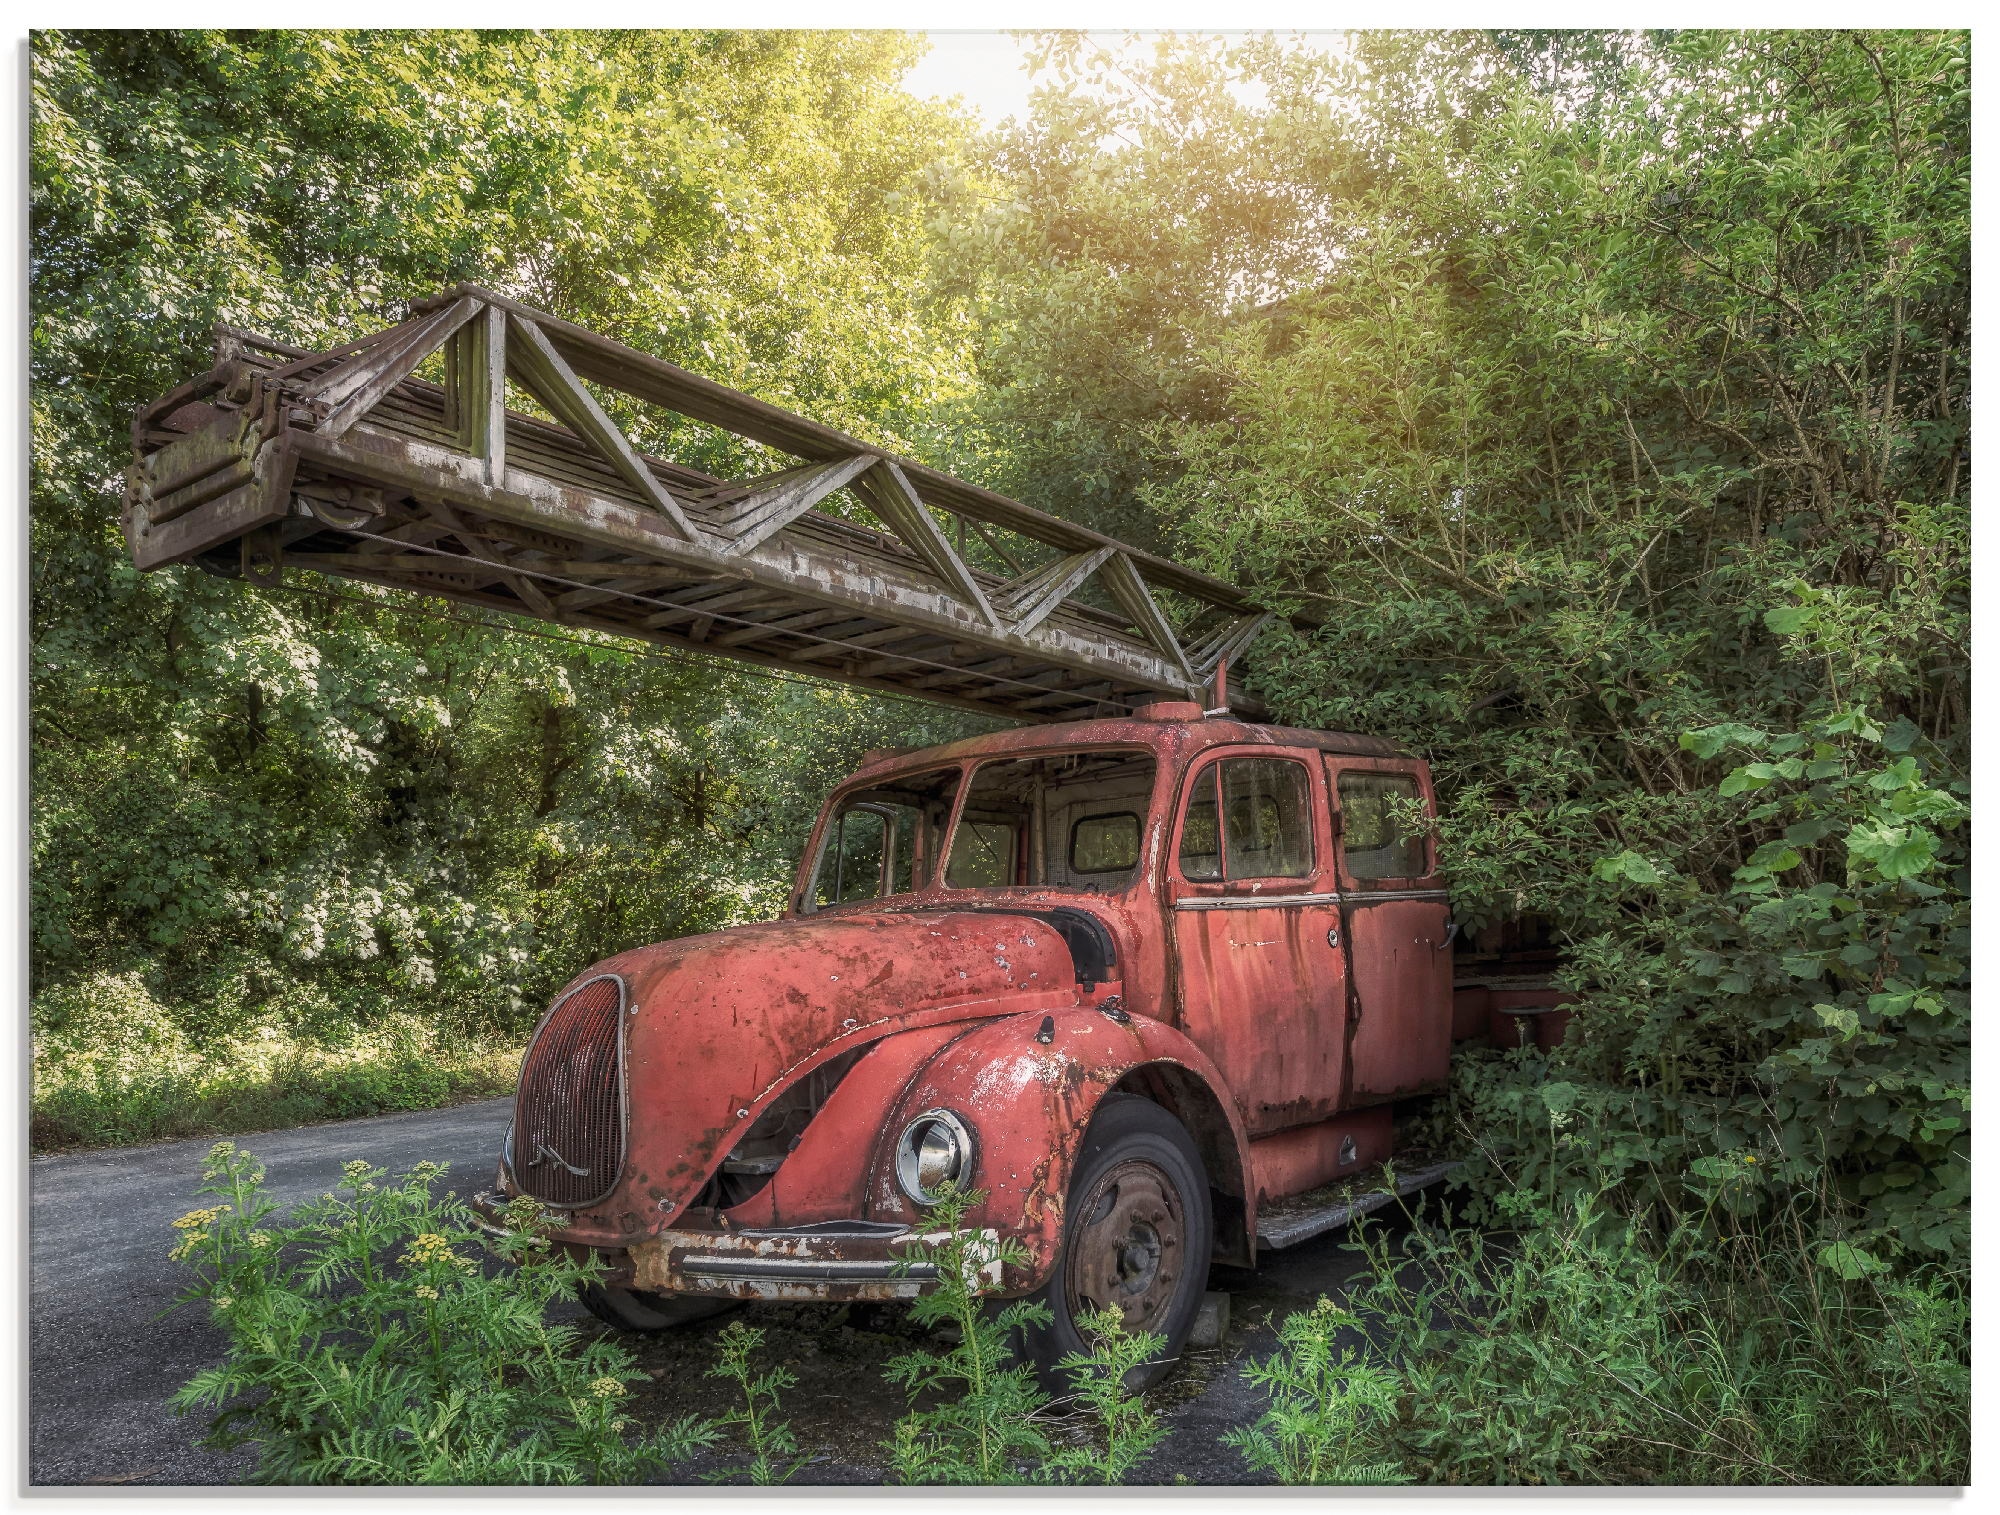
x=1029, y=1102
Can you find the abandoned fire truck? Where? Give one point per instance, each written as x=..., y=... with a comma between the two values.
x=1147, y=973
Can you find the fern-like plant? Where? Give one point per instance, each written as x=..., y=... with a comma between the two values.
x=984, y=1426
x=770, y=1440
x=368, y=1345
x=1126, y=1429
x=1323, y=1408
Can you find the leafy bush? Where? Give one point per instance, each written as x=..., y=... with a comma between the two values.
x=367, y=1345
x=1585, y=1349
x=1579, y=426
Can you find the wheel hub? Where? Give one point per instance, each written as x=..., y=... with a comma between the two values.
x=1127, y=1252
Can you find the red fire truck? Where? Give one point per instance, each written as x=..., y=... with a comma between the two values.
x=1128, y=979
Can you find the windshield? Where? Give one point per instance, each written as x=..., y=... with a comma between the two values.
x=883, y=840
x=1071, y=821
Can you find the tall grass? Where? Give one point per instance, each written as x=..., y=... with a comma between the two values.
x=1599, y=1349
x=113, y=1066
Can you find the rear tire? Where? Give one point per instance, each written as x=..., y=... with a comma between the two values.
x=1137, y=1233
x=640, y=1311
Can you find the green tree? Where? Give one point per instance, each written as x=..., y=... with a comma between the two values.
x=1589, y=390
x=285, y=812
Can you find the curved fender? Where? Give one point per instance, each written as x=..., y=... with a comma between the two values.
x=1028, y=1104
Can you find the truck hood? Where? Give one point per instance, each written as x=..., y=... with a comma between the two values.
x=721, y=1024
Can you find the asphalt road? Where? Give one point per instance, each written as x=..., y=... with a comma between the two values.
x=103, y=1359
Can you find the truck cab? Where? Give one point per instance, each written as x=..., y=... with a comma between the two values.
x=1128, y=980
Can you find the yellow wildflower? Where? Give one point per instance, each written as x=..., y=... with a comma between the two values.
x=196, y=1220
x=425, y=1291
x=427, y=1249
x=607, y=1388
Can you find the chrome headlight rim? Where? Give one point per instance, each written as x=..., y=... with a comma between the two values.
x=924, y=1164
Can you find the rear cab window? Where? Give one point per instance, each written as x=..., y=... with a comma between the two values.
x=1377, y=837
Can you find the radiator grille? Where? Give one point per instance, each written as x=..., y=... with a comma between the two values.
x=569, y=1115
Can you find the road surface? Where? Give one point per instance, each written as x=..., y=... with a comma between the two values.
x=103, y=1359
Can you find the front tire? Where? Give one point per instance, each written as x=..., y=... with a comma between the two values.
x=1137, y=1233
x=643, y=1312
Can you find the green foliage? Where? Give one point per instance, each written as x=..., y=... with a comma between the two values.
x=366, y=1344
x=1589, y=390
x=1325, y=1414
x=113, y=1065
x=1588, y=1349
x=984, y=1425
x=770, y=1440
x=1125, y=1429
x=283, y=813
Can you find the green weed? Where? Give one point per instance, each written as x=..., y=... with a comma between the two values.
x=1323, y=1425
x=770, y=1439
x=1126, y=1429
x=1595, y=1349
x=367, y=1344
x=984, y=1426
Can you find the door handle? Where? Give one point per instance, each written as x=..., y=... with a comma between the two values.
x=1333, y=936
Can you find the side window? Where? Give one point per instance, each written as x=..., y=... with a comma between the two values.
x=1374, y=845
x=1201, y=840
x=1266, y=822
x=1104, y=843
x=1266, y=818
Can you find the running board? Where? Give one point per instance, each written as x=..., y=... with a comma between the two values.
x=1300, y=1217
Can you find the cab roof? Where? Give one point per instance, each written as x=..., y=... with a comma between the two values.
x=1172, y=728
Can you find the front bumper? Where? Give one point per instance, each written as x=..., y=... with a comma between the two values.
x=834, y=1261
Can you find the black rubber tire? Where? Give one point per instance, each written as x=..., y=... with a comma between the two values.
x=645, y=1313
x=1128, y=1130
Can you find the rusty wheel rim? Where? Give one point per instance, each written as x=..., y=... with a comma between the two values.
x=1127, y=1250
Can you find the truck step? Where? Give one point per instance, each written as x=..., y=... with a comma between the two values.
x=1300, y=1217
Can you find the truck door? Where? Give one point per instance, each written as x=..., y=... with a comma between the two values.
x=1396, y=917
x=1256, y=924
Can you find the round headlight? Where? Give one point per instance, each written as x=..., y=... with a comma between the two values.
x=935, y=1150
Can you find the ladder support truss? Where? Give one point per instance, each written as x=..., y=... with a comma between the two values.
x=346, y=463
